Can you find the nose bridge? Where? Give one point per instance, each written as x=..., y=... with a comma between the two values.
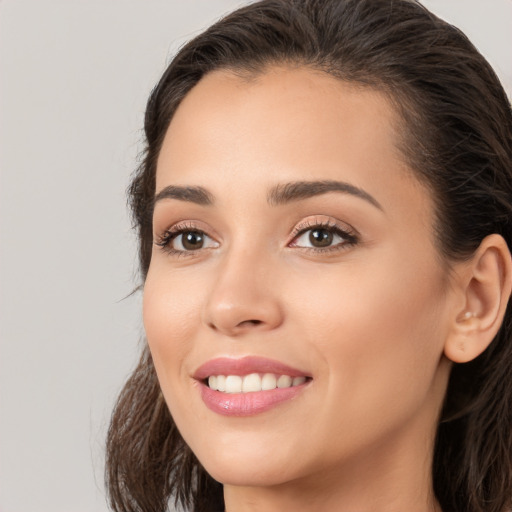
x=242, y=296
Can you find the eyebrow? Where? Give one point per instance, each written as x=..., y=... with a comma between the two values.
x=277, y=195
x=198, y=195
x=287, y=192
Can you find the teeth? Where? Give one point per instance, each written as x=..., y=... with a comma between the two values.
x=268, y=381
x=252, y=382
x=297, y=381
x=233, y=384
x=221, y=383
x=285, y=381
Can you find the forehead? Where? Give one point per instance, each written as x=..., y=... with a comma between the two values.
x=234, y=132
x=278, y=111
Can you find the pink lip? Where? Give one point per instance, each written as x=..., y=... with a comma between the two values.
x=246, y=404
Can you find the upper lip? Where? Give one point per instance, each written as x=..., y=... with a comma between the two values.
x=245, y=366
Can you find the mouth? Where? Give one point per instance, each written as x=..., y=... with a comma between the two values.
x=248, y=386
x=253, y=382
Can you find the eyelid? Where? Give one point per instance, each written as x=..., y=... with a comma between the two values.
x=166, y=237
x=325, y=222
x=184, y=225
x=350, y=235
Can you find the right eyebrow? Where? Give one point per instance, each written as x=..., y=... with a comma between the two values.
x=198, y=195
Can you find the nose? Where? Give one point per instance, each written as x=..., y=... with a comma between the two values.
x=244, y=297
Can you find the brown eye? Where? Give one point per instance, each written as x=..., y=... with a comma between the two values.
x=320, y=237
x=189, y=241
x=324, y=238
x=186, y=240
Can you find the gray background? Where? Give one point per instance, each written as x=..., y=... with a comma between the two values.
x=74, y=78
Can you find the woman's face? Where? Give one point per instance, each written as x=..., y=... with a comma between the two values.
x=293, y=244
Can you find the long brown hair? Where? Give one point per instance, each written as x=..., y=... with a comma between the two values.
x=457, y=138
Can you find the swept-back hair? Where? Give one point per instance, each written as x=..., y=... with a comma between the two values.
x=456, y=137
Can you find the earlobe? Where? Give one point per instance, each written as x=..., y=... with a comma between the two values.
x=486, y=284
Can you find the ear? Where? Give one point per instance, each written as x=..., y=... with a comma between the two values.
x=484, y=284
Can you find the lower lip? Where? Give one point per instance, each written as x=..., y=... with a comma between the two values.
x=247, y=404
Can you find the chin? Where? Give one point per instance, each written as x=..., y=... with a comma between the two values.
x=243, y=474
x=248, y=463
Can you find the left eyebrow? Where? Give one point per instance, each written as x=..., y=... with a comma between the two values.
x=294, y=191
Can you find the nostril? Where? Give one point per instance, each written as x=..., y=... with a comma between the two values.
x=241, y=326
x=249, y=322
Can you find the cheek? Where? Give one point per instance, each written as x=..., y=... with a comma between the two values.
x=170, y=314
x=377, y=330
x=377, y=301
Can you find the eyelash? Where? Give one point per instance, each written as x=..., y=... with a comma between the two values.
x=349, y=236
x=165, y=239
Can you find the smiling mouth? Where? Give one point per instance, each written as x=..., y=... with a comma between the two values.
x=248, y=386
x=253, y=382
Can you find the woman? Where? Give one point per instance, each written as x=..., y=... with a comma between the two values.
x=324, y=212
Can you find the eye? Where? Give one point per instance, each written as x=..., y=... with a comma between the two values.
x=183, y=240
x=322, y=237
x=189, y=241
x=318, y=237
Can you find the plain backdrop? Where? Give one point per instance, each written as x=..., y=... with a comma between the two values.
x=74, y=79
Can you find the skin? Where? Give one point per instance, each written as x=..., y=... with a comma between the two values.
x=368, y=321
